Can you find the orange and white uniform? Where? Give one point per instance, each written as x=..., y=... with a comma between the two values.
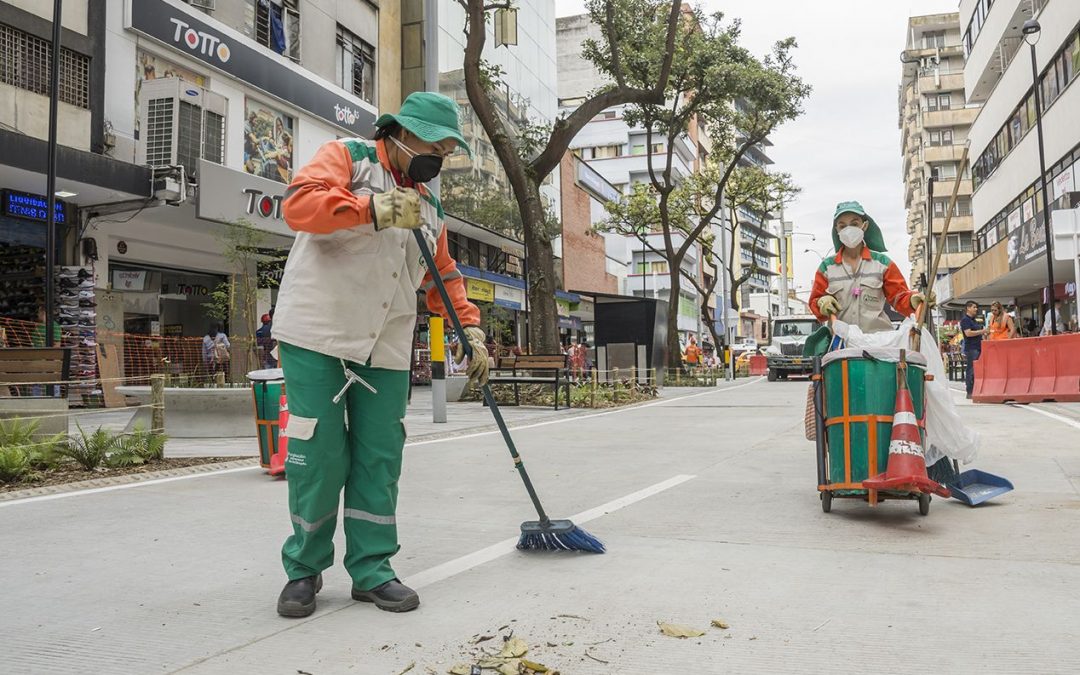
x=349, y=290
x=862, y=292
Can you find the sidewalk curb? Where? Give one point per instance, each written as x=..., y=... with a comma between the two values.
x=125, y=479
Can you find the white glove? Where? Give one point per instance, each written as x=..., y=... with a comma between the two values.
x=478, y=364
x=399, y=207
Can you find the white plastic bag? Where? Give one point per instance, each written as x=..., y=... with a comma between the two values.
x=946, y=434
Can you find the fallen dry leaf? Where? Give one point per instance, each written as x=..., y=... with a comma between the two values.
x=717, y=623
x=514, y=648
x=511, y=667
x=408, y=668
x=675, y=630
x=460, y=669
x=533, y=666
x=483, y=638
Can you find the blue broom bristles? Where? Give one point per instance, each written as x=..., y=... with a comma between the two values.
x=576, y=539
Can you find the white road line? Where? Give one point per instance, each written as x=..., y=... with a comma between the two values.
x=485, y=555
x=1047, y=413
x=576, y=418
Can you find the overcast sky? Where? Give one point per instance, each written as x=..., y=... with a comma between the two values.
x=847, y=144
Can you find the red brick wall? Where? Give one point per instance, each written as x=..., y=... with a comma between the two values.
x=583, y=254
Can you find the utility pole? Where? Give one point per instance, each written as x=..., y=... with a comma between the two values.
x=50, y=174
x=786, y=228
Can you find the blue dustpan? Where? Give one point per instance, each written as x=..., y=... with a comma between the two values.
x=973, y=487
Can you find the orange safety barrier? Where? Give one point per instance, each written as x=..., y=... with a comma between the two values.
x=1029, y=370
x=759, y=364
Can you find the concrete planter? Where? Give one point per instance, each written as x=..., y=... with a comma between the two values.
x=199, y=413
x=455, y=387
x=50, y=413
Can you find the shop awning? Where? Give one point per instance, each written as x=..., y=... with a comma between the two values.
x=93, y=178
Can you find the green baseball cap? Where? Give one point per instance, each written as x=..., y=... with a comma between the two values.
x=873, y=238
x=430, y=116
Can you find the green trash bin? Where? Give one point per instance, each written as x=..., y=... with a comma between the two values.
x=860, y=399
x=266, y=390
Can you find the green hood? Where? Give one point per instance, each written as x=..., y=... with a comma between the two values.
x=430, y=116
x=873, y=238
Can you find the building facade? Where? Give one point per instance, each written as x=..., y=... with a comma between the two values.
x=935, y=119
x=177, y=119
x=1010, y=247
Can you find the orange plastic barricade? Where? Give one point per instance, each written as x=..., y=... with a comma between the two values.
x=759, y=365
x=1029, y=370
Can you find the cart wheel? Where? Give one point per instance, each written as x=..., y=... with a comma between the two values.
x=924, y=504
x=826, y=501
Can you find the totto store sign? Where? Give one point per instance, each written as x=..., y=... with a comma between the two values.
x=199, y=41
x=265, y=205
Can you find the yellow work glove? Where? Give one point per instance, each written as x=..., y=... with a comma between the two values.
x=478, y=364
x=828, y=305
x=399, y=207
x=919, y=299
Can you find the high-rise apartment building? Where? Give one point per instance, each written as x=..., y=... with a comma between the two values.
x=1009, y=207
x=934, y=122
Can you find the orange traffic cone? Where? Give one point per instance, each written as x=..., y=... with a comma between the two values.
x=277, y=460
x=906, y=468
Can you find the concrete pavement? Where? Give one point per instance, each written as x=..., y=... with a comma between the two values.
x=707, y=505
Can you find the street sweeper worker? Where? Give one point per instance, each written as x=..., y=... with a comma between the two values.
x=855, y=284
x=344, y=325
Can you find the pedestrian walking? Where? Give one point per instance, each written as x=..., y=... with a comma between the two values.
x=1002, y=326
x=264, y=340
x=973, y=333
x=216, y=348
x=577, y=360
x=1046, y=320
x=692, y=354
x=345, y=318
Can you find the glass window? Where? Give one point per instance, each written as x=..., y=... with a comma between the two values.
x=637, y=149
x=355, y=65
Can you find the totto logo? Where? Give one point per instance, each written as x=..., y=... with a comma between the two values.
x=198, y=41
x=345, y=114
x=267, y=206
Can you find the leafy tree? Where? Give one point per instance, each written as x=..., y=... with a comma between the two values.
x=477, y=200
x=636, y=36
x=720, y=92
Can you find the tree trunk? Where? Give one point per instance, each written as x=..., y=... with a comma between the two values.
x=674, y=348
x=543, y=315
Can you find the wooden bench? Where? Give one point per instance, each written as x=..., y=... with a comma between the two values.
x=32, y=365
x=550, y=369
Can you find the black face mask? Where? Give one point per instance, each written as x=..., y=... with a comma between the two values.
x=422, y=168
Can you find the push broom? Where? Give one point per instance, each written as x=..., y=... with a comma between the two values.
x=544, y=534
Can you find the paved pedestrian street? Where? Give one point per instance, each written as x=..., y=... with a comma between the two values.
x=706, y=501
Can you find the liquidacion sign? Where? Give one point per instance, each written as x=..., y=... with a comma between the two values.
x=260, y=68
x=32, y=207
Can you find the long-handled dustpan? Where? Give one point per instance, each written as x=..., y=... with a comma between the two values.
x=972, y=487
x=536, y=535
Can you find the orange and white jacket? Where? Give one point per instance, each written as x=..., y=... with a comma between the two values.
x=349, y=291
x=862, y=293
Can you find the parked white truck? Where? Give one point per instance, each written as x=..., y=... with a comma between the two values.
x=785, y=350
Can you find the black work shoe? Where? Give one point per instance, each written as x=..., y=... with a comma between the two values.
x=393, y=596
x=297, y=599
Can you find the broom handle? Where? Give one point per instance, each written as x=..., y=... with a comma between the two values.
x=931, y=274
x=486, y=388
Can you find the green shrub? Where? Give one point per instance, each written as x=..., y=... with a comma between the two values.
x=90, y=450
x=16, y=431
x=138, y=447
x=13, y=464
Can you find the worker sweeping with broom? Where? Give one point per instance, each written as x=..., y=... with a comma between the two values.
x=344, y=325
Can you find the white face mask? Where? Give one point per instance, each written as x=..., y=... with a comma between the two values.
x=851, y=236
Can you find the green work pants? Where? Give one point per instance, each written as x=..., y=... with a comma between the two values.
x=355, y=444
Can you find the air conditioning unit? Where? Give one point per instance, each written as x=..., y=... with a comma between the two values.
x=179, y=124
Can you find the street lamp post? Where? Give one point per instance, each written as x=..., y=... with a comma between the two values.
x=50, y=174
x=1031, y=31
